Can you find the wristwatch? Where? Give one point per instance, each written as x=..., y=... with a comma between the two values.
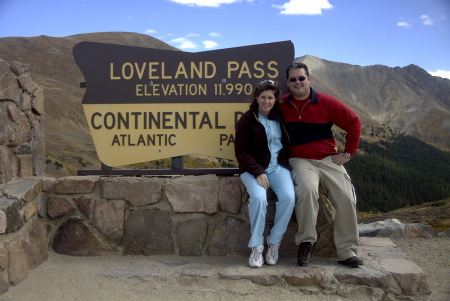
x=347, y=155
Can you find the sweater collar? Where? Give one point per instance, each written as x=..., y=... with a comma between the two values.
x=312, y=96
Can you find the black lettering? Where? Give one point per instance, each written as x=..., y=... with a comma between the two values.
x=205, y=120
x=96, y=127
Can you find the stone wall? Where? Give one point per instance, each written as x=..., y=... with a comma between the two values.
x=22, y=146
x=98, y=216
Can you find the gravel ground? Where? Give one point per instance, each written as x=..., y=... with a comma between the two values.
x=66, y=278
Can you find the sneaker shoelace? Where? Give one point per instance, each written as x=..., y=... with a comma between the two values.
x=256, y=253
x=273, y=250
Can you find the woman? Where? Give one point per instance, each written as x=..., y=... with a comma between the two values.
x=261, y=149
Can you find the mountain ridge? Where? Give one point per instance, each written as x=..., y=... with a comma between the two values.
x=407, y=99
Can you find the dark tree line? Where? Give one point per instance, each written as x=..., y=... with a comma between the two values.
x=399, y=172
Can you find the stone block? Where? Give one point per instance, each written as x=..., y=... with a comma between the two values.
x=84, y=204
x=75, y=184
x=23, y=190
x=25, y=166
x=230, y=238
x=11, y=208
x=37, y=101
x=264, y=277
x=191, y=235
x=194, y=194
x=138, y=191
x=34, y=245
x=148, y=232
x=58, y=206
x=30, y=210
x=76, y=238
x=304, y=276
x=408, y=275
x=362, y=276
x=9, y=164
x=19, y=68
x=419, y=231
x=22, y=133
x=233, y=194
x=9, y=88
x=18, y=262
x=27, y=83
x=109, y=219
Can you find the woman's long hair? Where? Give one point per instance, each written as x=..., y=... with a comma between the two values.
x=261, y=87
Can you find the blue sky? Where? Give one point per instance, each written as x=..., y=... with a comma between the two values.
x=358, y=32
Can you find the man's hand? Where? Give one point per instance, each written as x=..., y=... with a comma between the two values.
x=263, y=181
x=340, y=159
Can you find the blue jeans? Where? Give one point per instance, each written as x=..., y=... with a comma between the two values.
x=280, y=181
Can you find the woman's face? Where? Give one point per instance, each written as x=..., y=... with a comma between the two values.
x=266, y=101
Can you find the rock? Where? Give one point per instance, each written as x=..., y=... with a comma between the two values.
x=76, y=238
x=194, y=194
x=75, y=184
x=138, y=191
x=230, y=238
x=259, y=276
x=59, y=206
x=148, y=232
x=18, y=262
x=191, y=235
x=233, y=195
x=109, y=218
x=304, y=276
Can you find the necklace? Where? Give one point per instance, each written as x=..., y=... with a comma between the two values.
x=301, y=111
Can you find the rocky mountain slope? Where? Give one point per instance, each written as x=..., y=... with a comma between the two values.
x=405, y=99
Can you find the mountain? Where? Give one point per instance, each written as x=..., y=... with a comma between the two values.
x=408, y=99
x=405, y=99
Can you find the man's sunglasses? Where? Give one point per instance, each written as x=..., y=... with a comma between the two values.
x=294, y=79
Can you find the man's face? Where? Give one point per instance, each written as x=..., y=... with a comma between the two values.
x=298, y=82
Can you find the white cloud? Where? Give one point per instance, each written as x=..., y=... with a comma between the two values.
x=210, y=44
x=426, y=20
x=404, y=24
x=150, y=31
x=184, y=43
x=440, y=73
x=303, y=7
x=215, y=35
x=209, y=3
x=193, y=35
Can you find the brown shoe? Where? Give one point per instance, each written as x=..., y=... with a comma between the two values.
x=352, y=262
x=304, y=254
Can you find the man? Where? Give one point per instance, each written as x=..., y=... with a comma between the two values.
x=308, y=117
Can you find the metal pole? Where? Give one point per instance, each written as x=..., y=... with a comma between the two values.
x=178, y=162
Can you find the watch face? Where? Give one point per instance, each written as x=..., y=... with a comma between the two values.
x=347, y=155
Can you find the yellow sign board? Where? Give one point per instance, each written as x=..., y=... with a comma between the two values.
x=146, y=104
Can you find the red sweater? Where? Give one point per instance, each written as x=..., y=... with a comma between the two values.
x=309, y=124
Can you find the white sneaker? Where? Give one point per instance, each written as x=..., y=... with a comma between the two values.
x=272, y=253
x=256, y=259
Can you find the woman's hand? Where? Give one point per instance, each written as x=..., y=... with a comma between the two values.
x=263, y=181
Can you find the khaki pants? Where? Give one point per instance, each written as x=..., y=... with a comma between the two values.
x=307, y=174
